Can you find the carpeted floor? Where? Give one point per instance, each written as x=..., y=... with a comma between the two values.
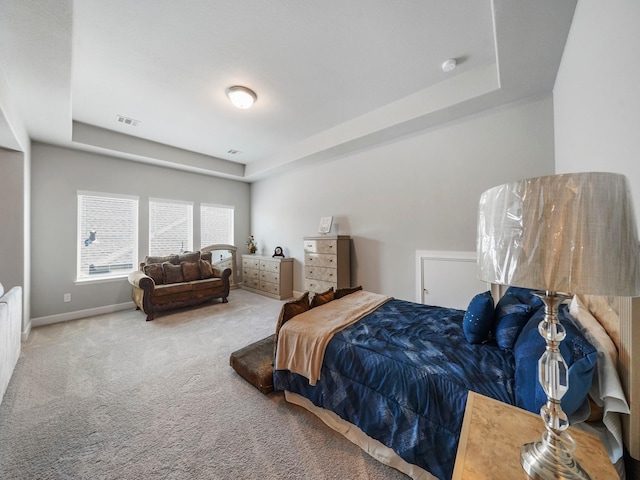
x=115, y=397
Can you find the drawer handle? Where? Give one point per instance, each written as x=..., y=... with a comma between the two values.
x=331, y=274
x=331, y=260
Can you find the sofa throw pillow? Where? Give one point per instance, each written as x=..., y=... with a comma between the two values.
x=172, y=273
x=288, y=311
x=206, y=270
x=578, y=353
x=190, y=257
x=167, y=258
x=190, y=271
x=206, y=256
x=478, y=318
x=155, y=271
x=322, y=298
x=341, y=292
x=513, y=311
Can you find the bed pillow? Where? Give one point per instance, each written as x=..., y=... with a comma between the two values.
x=342, y=292
x=607, y=395
x=577, y=352
x=322, y=298
x=288, y=311
x=513, y=311
x=478, y=318
x=525, y=295
x=604, y=314
x=593, y=330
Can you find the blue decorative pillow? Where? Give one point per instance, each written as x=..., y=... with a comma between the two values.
x=525, y=296
x=478, y=319
x=577, y=352
x=513, y=311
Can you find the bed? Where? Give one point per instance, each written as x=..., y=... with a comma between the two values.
x=395, y=377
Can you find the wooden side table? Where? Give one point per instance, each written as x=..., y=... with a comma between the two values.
x=493, y=432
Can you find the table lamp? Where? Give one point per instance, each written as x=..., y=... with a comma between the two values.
x=559, y=235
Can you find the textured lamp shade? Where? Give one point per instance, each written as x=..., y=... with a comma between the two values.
x=572, y=233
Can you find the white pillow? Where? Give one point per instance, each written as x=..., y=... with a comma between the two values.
x=606, y=389
x=595, y=331
x=601, y=310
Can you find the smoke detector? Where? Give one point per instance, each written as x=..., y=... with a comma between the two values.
x=128, y=121
x=449, y=65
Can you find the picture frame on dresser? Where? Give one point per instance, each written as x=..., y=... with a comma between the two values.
x=325, y=225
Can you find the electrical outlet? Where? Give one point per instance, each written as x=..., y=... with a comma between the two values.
x=67, y=297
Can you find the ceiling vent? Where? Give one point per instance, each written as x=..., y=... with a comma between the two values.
x=128, y=121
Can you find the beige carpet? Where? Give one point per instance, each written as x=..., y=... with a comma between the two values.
x=115, y=397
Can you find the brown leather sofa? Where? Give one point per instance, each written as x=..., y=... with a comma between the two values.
x=174, y=281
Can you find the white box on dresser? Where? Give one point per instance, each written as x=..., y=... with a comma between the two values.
x=327, y=262
x=270, y=276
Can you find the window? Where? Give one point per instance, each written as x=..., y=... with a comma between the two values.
x=170, y=226
x=216, y=225
x=107, y=235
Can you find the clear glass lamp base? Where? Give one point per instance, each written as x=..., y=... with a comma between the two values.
x=552, y=459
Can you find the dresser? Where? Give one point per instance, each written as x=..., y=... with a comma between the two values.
x=327, y=263
x=270, y=276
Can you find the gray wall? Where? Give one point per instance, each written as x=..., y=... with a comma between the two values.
x=596, y=94
x=417, y=193
x=58, y=173
x=15, y=168
x=12, y=173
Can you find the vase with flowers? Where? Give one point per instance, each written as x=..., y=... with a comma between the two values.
x=252, y=245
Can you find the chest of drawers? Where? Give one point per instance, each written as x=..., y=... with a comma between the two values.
x=327, y=263
x=268, y=276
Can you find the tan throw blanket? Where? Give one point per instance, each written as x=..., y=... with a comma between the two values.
x=303, y=339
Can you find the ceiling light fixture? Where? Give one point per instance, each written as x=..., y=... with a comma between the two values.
x=241, y=97
x=449, y=65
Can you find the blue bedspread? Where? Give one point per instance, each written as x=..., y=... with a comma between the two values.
x=401, y=374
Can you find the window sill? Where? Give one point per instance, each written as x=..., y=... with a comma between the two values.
x=92, y=281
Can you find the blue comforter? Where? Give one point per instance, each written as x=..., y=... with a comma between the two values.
x=401, y=374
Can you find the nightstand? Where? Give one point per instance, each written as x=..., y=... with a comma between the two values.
x=493, y=432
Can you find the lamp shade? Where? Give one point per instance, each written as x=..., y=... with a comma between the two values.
x=570, y=233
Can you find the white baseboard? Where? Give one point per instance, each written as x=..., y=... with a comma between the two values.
x=26, y=331
x=64, y=317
